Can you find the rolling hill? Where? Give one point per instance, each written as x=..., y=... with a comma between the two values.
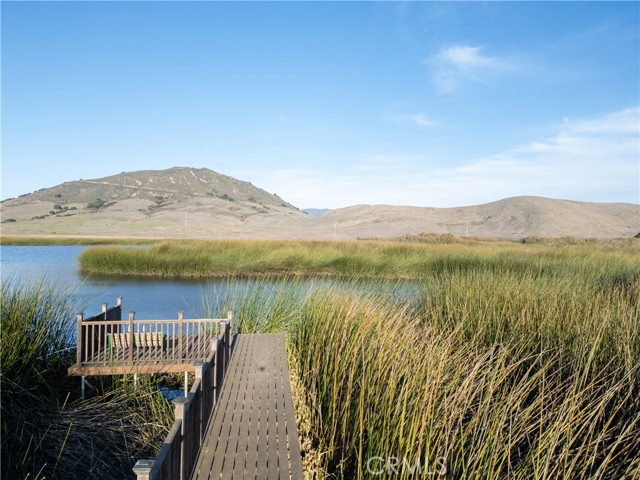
x=195, y=203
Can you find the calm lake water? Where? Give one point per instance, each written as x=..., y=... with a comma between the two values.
x=149, y=298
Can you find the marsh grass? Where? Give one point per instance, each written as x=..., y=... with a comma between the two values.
x=384, y=381
x=357, y=259
x=65, y=241
x=495, y=360
x=496, y=364
x=47, y=432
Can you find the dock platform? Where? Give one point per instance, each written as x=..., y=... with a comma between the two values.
x=252, y=433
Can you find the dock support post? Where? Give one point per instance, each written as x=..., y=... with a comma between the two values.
x=79, y=318
x=204, y=386
x=226, y=338
x=180, y=404
x=82, y=387
x=217, y=376
x=142, y=469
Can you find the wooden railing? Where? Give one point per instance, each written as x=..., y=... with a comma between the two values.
x=176, y=459
x=104, y=341
x=106, y=314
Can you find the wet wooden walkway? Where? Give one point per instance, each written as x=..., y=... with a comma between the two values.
x=252, y=433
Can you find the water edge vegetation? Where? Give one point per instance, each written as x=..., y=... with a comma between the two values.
x=350, y=259
x=47, y=430
x=498, y=360
x=502, y=366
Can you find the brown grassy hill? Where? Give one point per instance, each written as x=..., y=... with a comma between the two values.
x=187, y=202
x=174, y=202
x=515, y=217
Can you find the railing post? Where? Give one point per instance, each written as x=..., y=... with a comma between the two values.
x=180, y=404
x=227, y=346
x=199, y=374
x=230, y=319
x=97, y=333
x=131, y=318
x=180, y=318
x=142, y=469
x=217, y=376
x=79, y=318
x=119, y=308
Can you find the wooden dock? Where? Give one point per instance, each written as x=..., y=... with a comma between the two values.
x=236, y=421
x=252, y=434
x=107, y=345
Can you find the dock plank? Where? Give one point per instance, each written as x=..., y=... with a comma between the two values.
x=252, y=433
x=222, y=417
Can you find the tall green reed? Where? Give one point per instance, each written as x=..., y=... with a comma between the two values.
x=47, y=431
x=494, y=366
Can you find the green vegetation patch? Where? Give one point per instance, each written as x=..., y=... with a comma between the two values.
x=400, y=260
x=483, y=368
x=63, y=240
x=46, y=430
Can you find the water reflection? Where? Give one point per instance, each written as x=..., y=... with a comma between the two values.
x=160, y=298
x=150, y=298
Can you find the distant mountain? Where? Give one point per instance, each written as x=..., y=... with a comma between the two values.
x=515, y=217
x=172, y=185
x=175, y=202
x=316, y=212
x=200, y=203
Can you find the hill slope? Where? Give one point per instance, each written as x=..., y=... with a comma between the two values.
x=187, y=202
x=515, y=217
x=175, y=202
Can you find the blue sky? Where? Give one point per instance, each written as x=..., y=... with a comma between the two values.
x=329, y=104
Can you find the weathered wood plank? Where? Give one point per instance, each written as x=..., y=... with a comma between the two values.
x=232, y=460
x=218, y=432
x=252, y=433
x=295, y=456
x=129, y=369
x=272, y=428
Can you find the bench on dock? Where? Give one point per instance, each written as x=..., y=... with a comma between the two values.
x=236, y=421
x=120, y=341
x=110, y=345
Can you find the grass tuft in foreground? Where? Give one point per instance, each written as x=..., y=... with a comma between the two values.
x=47, y=432
x=489, y=366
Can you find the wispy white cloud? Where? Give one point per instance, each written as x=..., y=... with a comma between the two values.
x=587, y=159
x=419, y=119
x=624, y=121
x=456, y=64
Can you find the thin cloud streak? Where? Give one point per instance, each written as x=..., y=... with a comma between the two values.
x=593, y=159
x=454, y=65
x=419, y=119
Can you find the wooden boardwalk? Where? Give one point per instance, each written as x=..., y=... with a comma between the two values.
x=252, y=433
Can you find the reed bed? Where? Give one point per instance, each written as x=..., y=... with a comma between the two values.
x=501, y=366
x=47, y=432
x=374, y=259
x=76, y=240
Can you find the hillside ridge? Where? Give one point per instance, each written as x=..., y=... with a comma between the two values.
x=186, y=202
